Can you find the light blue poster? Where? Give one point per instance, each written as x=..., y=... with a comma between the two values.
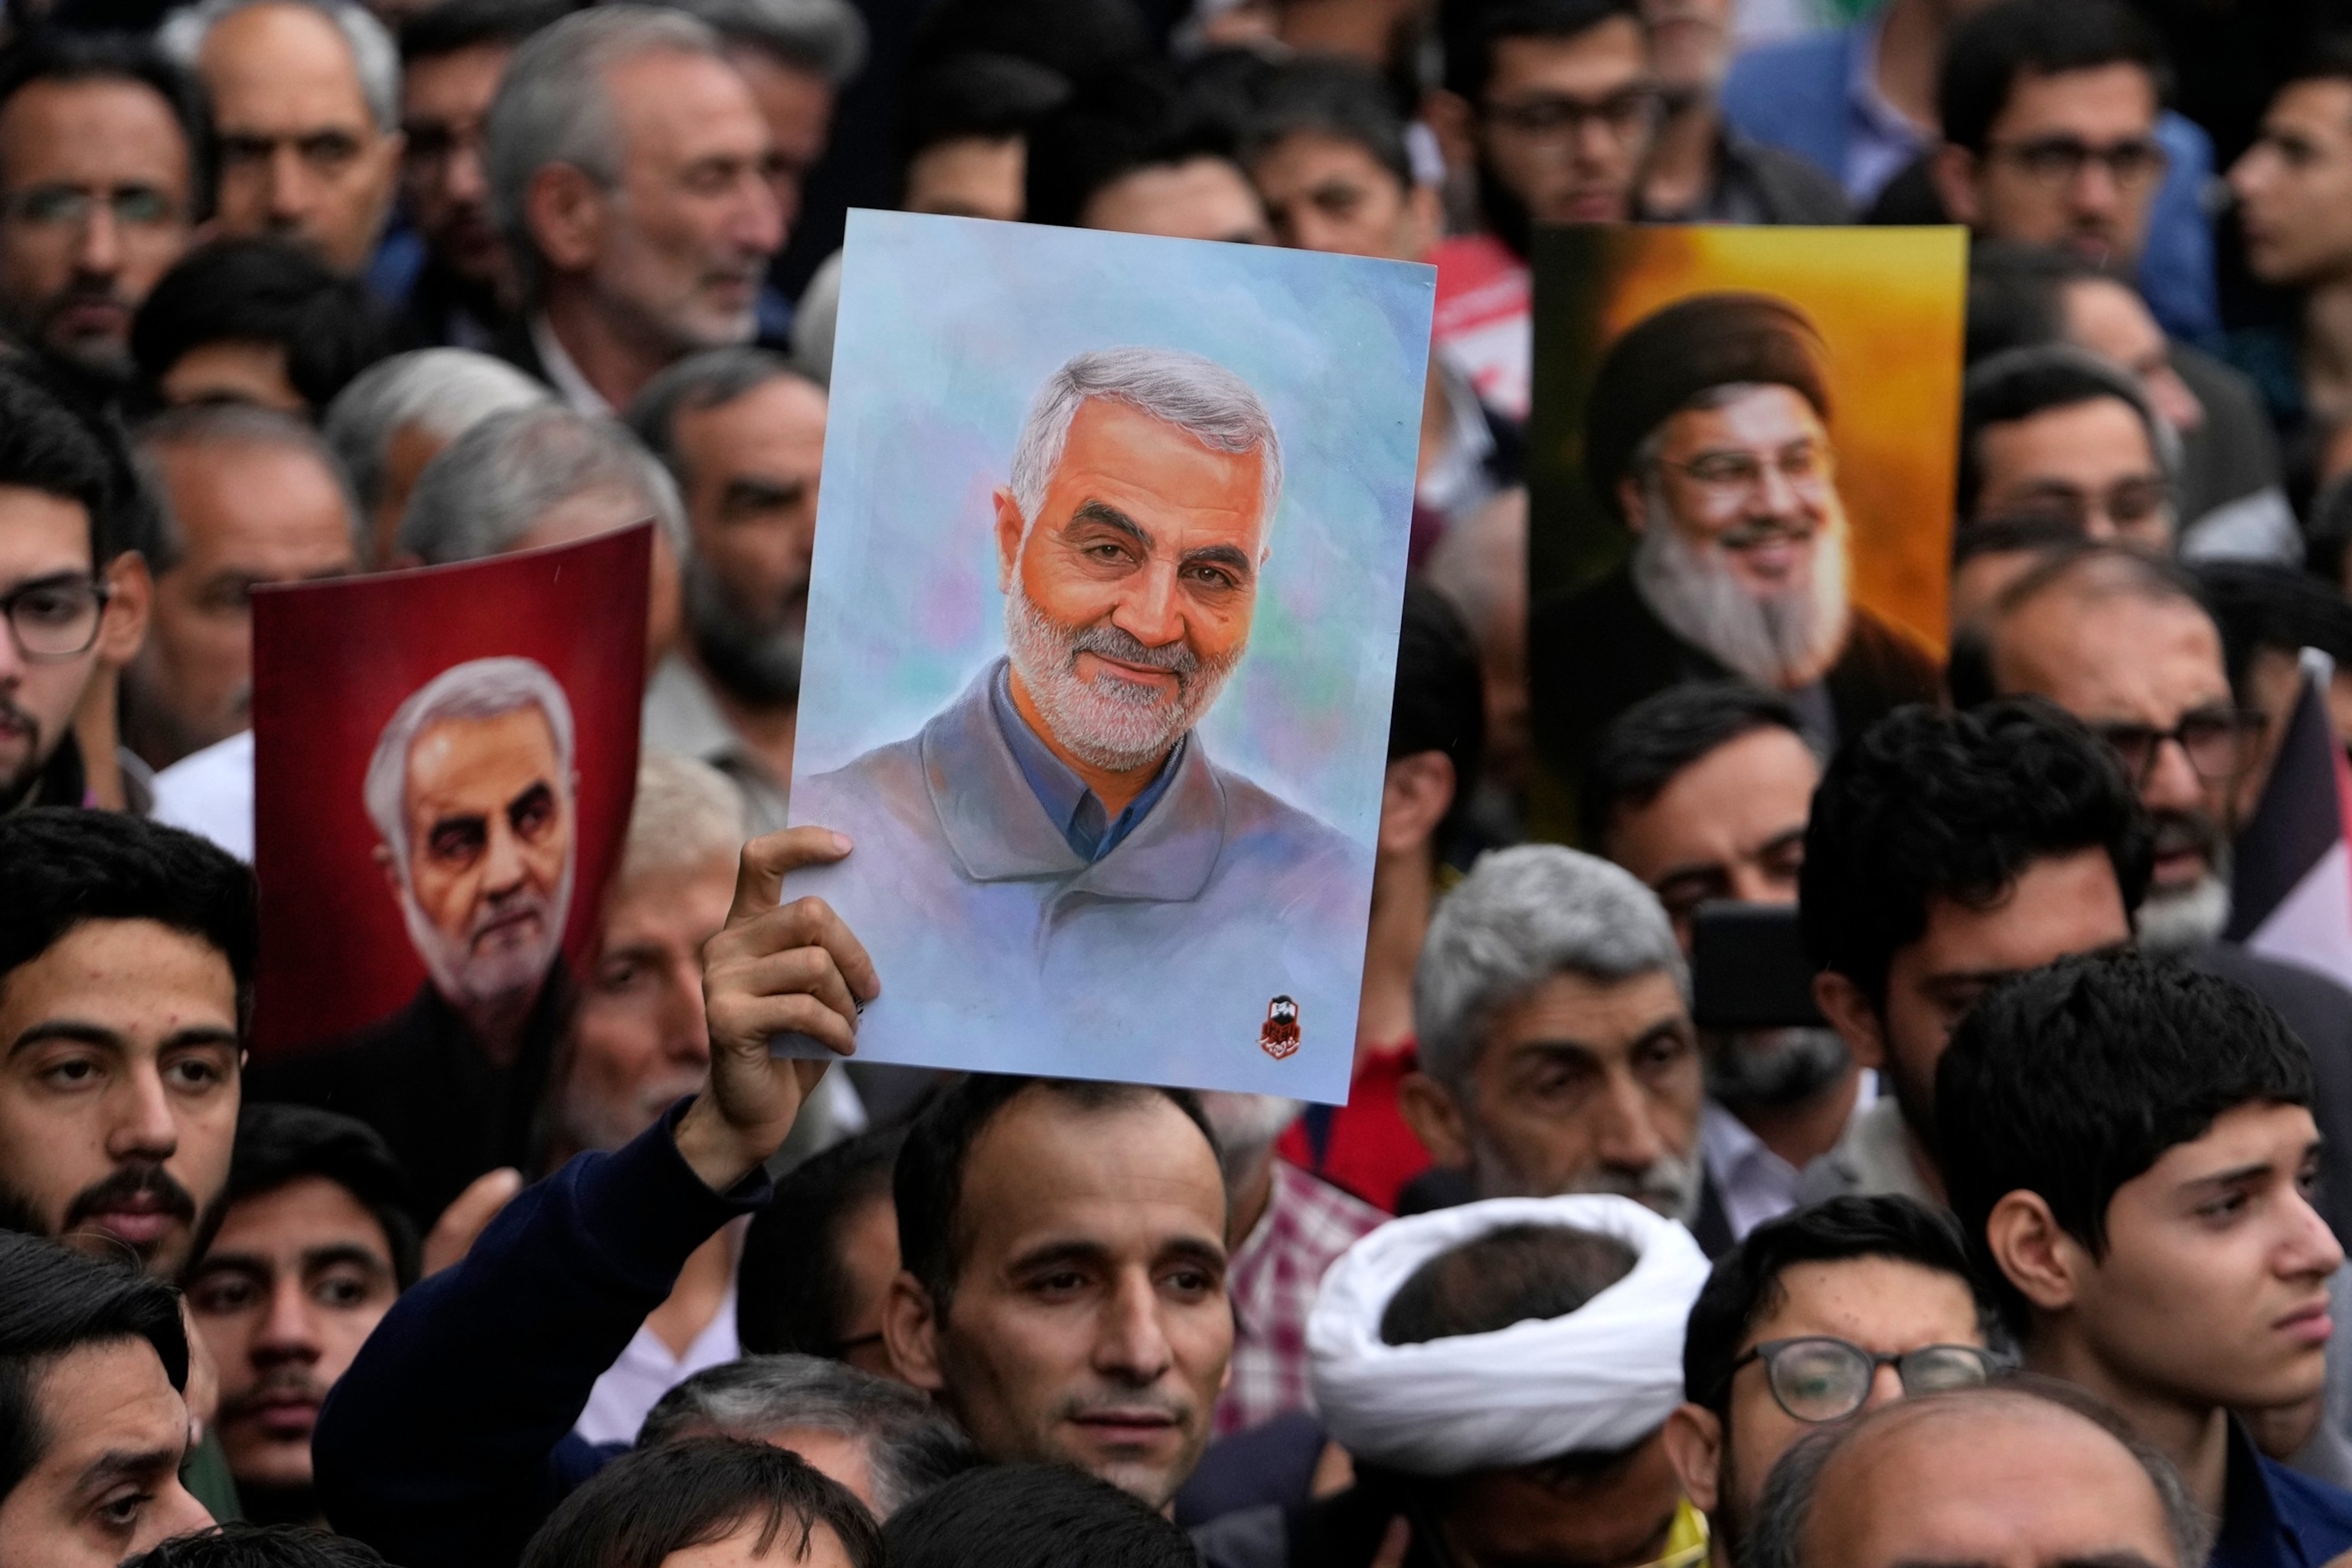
x=1101, y=638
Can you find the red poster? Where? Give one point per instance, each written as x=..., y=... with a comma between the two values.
x=443, y=766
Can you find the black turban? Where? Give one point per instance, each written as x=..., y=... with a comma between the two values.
x=1676, y=354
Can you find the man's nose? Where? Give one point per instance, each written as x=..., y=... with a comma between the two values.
x=2173, y=784
x=292, y=192
x=757, y=222
x=289, y=1330
x=98, y=251
x=1627, y=1135
x=2094, y=193
x=2311, y=1252
x=1773, y=494
x=503, y=864
x=1885, y=1386
x=1147, y=609
x=685, y=1027
x=1131, y=1343
x=463, y=177
x=143, y=1126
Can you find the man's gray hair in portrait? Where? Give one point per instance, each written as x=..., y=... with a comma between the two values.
x=1198, y=396
x=443, y=392
x=910, y=1448
x=1521, y=916
x=374, y=56
x=488, y=488
x=826, y=39
x=553, y=107
x=482, y=689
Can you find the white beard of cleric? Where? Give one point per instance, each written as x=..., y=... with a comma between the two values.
x=1781, y=640
x=1111, y=723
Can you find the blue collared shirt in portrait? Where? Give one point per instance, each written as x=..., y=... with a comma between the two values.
x=1075, y=809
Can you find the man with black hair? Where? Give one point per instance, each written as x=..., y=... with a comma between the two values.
x=1813, y=1319
x=450, y=58
x=1062, y=1288
x=73, y=596
x=964, y=134
x=258, y=1546
x=2129, y=1147
x=1702, y=791
x=256, y=321
x=1032, y=1516
x=721, y=1499
x=2291, y=187
x=2267, y=614
x=1944, y=852
x=816, y=1265
x=1128, y=152
x=93, y=1362
x=2058, y=432
x=312, y=1244
x=101, y=182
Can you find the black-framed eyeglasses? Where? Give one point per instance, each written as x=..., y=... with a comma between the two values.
x=1557, y=118
x=55, y=618
x=2218, y=741
x=1818, y=1378
x=2057, y=161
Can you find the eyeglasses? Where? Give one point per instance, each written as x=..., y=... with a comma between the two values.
x=70, y=206
x=1557, y=119
x=2128, y=503
x=1819, y=1379
x=2056, y=161
x=1732, y=476
x=2216, y=741
x=54, y=617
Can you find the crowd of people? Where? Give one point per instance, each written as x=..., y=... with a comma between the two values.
x=2018, y=1242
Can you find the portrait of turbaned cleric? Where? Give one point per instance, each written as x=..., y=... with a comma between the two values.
x=1132, y=819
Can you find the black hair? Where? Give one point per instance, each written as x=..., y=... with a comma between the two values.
x=2016, y=297
x=1986, y=53
x=979, y=94
x=2325, y=57
x=241, y=1546
x=263, y=292
x=1745, y=1287
x=1440, y=702
x=1510, y=1274
x=2072, y=1080
x=2260, y=605
x=2019, y=383
x=1125, y=119
x=58, y=54
x=650, y=1502
x=1927, y=805
x=454, y=25
x=46, y=447
x=67, y=866
x=928, y=1184
x=279, y=1143
x=53, y=1300
x=1330, y=97
x=1033, y=1516
x=1474, y=31
x=1647, y=746
x=1969, y=676
x=790, y=1284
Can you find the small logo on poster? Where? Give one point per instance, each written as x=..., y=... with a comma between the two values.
x=1279, y=1037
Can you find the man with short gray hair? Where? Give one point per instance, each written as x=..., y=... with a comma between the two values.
x=305, y=99
x=1556, y=1050
x=633, y=177
x=400, y=414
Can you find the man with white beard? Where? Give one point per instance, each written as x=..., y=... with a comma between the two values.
x=1059, y=828
x=1707, y=432
x=472, y=790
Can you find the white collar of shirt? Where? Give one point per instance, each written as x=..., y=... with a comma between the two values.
x=564, y=372
x=1755, y=1183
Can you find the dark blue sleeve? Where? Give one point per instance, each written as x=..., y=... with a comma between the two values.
x=449, y=1439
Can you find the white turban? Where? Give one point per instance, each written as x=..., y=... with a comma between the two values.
x=1601, y=1378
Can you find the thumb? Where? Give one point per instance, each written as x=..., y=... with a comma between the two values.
x=1394, y=1543
x=452, y=1236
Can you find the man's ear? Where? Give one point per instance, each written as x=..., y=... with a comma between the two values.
x=1414, y=798
x=1429, y=1109
x=1632, y=505
x=1694, y=1439
x=564, y=210
x=1455, y=122
x=1853, y=1016
x=911, y=1332
x=131, y=599
x=1009, y=528
x=2035, y=1252
x=1953, y=171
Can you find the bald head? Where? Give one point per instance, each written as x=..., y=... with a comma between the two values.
x=2005, y=1477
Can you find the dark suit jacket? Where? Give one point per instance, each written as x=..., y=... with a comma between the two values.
x=1594, y=654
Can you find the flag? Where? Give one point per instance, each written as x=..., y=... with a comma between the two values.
x=2291, y=888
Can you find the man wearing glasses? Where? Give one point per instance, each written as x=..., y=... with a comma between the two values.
x=1708, y=433
x=2055, y=433
x=1814, y=1318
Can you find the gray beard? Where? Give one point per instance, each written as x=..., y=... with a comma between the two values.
x=758, y=664
x=1107, y=724
x=1780, y=643
x=464, y=979
x=1672, y=1186
x=1770, y=1068
x=2171, y=924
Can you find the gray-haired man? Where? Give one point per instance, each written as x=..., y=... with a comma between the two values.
x=1557, y=1052
x=473, y=792
x=632, y=175
x=1060, y=823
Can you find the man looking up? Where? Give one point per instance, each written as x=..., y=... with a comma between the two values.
x=100, y=185
x=1788, y=1335
x=1557, y=1053
x=305, y=98
x=2054, y=432
x=1946, y=851
x=93, y=1362
x=71, y=595
x=313, y=1243
x=1063, y=1290
x=744, y=434
x=632, y=177
x=1702, y=791
x=2130, y=1146
x=1500, y=1373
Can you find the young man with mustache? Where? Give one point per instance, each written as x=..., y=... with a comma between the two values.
x=1707, y=434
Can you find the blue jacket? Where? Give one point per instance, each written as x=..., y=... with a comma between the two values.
x=450, y=1440
x=1797, y=96
x=2273, y=1517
